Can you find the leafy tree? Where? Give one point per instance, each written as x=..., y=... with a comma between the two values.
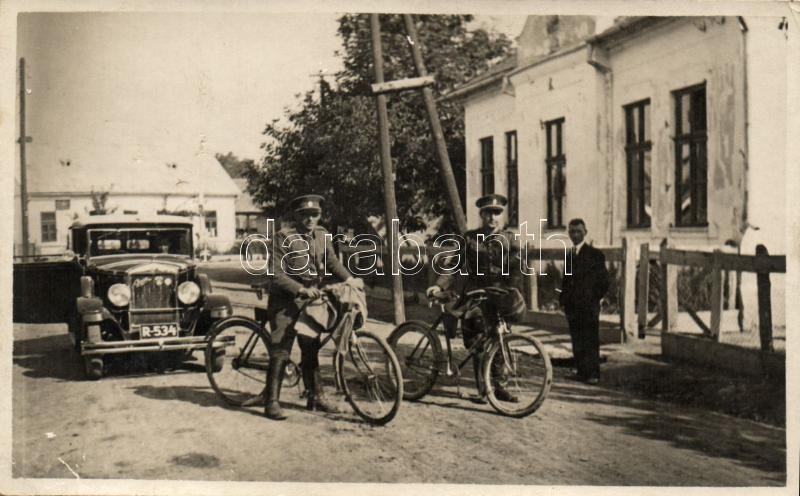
x=233, y=165
x=330, y=145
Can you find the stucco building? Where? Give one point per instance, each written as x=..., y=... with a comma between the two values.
x=64, y=183
x=658, y=127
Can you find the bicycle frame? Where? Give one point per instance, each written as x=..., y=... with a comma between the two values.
x=485, y=338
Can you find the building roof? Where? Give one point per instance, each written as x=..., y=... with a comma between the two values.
x=126, y=169
x=494, y=74
x=116, y=219
x=625, y=27
x=244, y=202
x=622, y=28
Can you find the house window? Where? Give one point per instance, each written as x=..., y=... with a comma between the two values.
x=48, y=223
x=211, y=223
x=691, y=176
x=555, y=161
x=637, y=154
x=487, y=166
x=513, y=178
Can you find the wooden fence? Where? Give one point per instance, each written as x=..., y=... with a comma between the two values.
x=635, y=279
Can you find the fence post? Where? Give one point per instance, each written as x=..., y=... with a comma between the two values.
x=664, y=290
x=642, y=290
x=716, y=295
x=532, y=286
x=629, y=303
x=621, y=289
x=764, y=302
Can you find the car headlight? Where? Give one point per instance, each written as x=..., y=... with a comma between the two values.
x=119, y=294
x=188, y=292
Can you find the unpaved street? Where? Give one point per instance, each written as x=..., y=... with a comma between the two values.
x=144, y=425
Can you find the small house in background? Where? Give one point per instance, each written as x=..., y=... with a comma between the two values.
x=656, y=128
x=73, y=181
x=250, y=217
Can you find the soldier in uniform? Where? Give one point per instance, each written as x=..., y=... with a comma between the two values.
x=301, y=256
x=496, y=256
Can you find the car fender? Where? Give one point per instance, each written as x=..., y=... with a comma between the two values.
x=218, y=306
x=91, y=309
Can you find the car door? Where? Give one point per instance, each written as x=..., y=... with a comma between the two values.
x=45, y=291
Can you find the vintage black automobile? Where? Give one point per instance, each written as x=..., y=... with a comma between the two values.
x=128, y=284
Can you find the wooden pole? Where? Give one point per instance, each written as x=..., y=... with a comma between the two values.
x=445, y=168
x=764, y=303
x=23, y=175
x=629, y=300
x=388, y=174
x=716, y=295
x=643, y=291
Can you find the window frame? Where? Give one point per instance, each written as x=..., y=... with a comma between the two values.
x=206, y=216
x=697, y=140
x=555, y=162
x=637, y=149
x=512, y=177
x=487, y=165
x=47, y=226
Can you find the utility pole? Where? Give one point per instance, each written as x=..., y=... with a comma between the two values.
x=321, y=75
x=388, y=174
x=23, y=176
x=445, y=168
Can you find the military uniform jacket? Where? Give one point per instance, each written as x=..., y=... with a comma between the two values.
x=302, y=260
x=492, y=261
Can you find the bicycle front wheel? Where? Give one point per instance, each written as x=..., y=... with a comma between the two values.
x=370, y=376
x=419, y=352
x=521, y=369
x=237, y=359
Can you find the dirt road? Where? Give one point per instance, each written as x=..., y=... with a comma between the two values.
x=144, y=425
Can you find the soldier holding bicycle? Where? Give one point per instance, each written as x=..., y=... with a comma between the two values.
x=301, y=257
x=492, y=251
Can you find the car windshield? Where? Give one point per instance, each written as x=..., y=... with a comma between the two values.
x=154, y=241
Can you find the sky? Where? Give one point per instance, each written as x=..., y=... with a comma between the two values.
x=196, y=81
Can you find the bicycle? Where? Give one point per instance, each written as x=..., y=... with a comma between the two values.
x=365, y=367
x=523, y=358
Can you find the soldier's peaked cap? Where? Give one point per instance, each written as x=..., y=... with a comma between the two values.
x=493, y=202
x=306, y=202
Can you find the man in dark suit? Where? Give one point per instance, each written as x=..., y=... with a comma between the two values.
x=583, y=287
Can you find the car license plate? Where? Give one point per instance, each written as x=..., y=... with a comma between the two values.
x=159, y=331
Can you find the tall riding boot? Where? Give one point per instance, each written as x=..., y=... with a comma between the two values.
x=317, y=400
x=476, y=368
x=272, y=410
x=499, y=381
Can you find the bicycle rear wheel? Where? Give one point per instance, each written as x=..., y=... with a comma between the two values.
x=370, y=376
x=523, y=370
x=418, y=350
x=237, y=359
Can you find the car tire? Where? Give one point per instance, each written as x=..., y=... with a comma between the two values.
x=93, y=368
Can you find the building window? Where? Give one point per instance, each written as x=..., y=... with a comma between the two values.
x=48, y=222
x=691, y=176
x=62, y=204
x=211, y=223
x=637, y=154
x=487, y=166
x=512, y=178
x=555, y=161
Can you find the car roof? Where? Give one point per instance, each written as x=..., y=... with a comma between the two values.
x=118, y=219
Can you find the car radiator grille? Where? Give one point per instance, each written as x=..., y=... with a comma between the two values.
x=152, y=300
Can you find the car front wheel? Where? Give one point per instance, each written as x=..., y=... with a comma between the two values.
x=93, y=368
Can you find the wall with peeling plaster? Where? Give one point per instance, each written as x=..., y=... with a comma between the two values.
x=652, y=64
x=745, y=77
